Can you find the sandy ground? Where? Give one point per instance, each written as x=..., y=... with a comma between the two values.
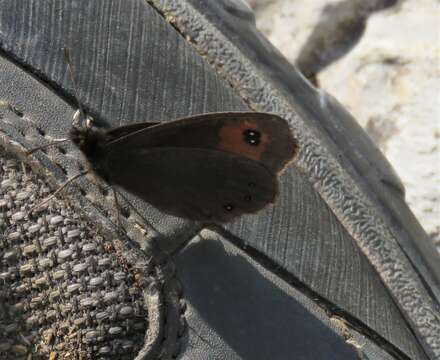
x=384, y=67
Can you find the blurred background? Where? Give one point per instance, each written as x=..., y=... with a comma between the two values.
x=381, y=60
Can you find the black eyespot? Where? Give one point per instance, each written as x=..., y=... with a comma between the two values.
x=229, y=207
x=252, y=137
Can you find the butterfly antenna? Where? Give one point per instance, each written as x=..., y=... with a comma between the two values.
x=81, y=109
x=66, y=183
x=72, y=79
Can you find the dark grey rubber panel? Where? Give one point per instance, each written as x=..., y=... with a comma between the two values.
x=303, y=236
x=241, y=320
x=121, y=56
x=233, y=314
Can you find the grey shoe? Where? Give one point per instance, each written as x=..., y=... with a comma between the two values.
x=339, y=268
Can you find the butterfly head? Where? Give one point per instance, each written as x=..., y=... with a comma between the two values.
x=88, y=140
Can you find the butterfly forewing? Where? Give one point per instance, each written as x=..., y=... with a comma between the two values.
x=121, y=131
x=262, y=137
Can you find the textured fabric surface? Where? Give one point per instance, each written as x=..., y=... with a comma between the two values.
x=65, y=291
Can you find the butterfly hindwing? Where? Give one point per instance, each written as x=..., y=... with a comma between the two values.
x=197, y=184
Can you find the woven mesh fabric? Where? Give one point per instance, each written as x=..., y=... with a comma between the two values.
x=65, y=292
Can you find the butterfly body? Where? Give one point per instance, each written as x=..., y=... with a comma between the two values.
x=210, y=167
x=90, y=141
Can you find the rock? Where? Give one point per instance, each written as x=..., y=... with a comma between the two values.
x=390, y=83
x=386, y=73
x=288, y=23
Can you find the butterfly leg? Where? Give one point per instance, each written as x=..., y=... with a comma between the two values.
x=118, y=207
x=52, y=143
x=66, y=183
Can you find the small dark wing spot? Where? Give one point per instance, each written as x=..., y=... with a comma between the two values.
x=229, y=207
x=248, y=198
x=252, y=137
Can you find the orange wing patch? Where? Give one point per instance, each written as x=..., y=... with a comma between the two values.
x=243, y=139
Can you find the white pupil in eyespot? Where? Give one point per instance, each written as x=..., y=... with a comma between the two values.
x=252, y=137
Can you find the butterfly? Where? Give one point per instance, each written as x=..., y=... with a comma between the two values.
x=211, y=167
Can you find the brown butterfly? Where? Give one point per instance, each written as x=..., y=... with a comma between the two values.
x=210, y=167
